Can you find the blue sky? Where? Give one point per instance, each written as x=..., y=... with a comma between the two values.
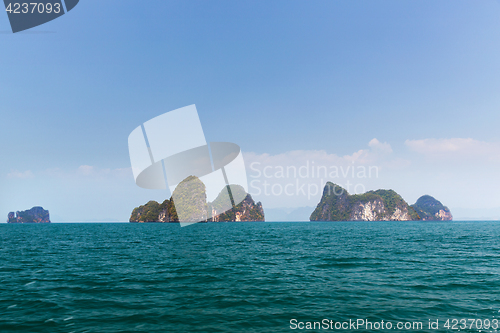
x=272, y=76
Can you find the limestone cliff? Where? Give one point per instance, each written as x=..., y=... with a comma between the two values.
x=382, y=205
x=431, y=209
x=246, y=210
x=33, y=215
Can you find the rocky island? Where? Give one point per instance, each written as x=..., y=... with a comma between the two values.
x=382, y=205
x=33, y=215
x=191, y=203
x=247, y=210
x=430, y=209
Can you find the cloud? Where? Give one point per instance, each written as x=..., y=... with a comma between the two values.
x=380, y=147
x=85, y=170
x=376, y=154
x=456, y=147
x=20, y=175
x=92, y=171
x=298, y=177
x=89, y=172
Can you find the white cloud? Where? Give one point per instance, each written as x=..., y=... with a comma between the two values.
x=375, y=155
x=298, y=177
x=20, y=175
x=85, y=170
x=380, y=147
x=456, y=147
x=89, y=172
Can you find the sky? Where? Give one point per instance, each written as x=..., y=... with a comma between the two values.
x=410, y=88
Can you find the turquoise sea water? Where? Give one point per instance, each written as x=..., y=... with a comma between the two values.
x=246, y=277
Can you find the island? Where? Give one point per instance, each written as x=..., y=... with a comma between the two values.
x=33, y=215
x=337, y=204
x=189, y=200
x=430, y=209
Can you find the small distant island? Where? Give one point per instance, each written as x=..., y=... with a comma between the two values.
x=33, y=215
x=430, y=209
x=337, y=204
x=191, y=201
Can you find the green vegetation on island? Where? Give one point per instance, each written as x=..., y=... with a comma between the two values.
x=188, y=203
x=190, y=200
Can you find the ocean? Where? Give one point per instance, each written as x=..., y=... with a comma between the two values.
x=250, y=277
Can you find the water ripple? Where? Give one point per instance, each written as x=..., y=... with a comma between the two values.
x=252, y=277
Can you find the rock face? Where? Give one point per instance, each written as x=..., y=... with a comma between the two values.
x=189, y=204
x=246, y=210
x=34, y=215
x=382, y=205
x=431, y=209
